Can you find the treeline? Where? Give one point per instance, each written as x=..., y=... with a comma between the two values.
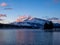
x=48, y=25
x=8, y=26
x=3, y=26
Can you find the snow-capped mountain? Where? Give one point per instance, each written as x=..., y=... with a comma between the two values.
x=34, y=22
x=29, y=21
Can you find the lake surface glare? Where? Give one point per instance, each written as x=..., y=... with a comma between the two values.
x=28, y=37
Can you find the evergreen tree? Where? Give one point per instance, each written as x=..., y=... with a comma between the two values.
x=50, y=25
x=46, y=25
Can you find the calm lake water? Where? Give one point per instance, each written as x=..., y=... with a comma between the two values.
x=28, y=37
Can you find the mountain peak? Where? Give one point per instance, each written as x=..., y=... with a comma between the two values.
x=22, y=18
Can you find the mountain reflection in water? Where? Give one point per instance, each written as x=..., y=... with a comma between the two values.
x=28, y=37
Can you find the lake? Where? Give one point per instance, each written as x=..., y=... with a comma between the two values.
x=28, y=37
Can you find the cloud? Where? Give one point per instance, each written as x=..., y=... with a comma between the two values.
x=3, y=4
x=8, y=8
x=3, y=15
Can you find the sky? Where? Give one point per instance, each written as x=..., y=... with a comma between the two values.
x=10, y=10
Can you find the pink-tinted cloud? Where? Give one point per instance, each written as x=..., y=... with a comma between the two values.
x=3, y=15
x=3, y=4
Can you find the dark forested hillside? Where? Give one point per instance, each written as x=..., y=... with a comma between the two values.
x=3, y=26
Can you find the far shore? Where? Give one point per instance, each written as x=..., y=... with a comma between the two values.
x=47, y=30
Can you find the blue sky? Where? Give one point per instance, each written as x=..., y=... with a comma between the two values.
x=35, y=8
